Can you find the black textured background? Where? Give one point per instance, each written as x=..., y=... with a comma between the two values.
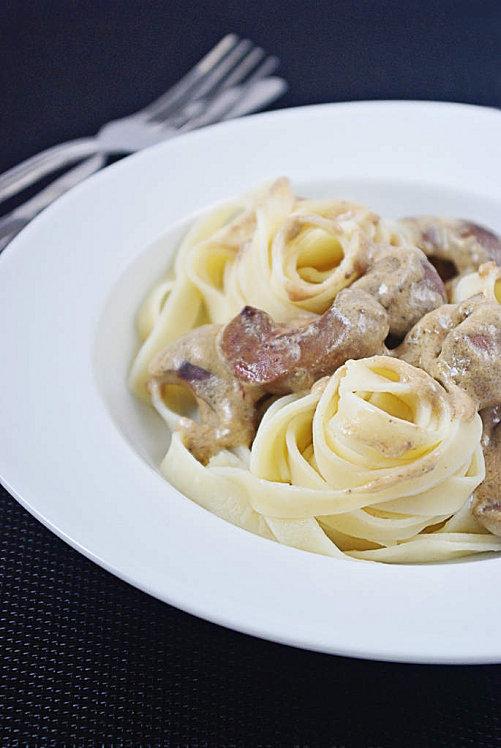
x=87, y=660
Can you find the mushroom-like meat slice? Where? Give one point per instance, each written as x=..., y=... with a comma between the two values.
x=460, y=344
x=405, y=283
x=226, y=406
x=280, y=358
x=229, y=369
x=486, y=506
x=454, y=246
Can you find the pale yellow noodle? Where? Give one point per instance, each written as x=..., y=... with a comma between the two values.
x=486, y=282
x=271, y=250
x=173, y=306
x=378, y=464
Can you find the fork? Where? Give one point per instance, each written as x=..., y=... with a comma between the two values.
x=259, y=94
x=212, y=88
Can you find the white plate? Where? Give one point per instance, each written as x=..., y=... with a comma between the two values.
x=81, y=455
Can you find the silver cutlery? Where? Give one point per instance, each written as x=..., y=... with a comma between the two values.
x=12, y=223
x=233, y=79
x=260, y=94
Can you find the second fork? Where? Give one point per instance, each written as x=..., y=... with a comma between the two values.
x=230, y=66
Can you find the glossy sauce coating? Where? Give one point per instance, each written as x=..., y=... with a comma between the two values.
x=286, y=358
x=460, y=344
x=486, y=506
x=463, y=244
x=231, y=369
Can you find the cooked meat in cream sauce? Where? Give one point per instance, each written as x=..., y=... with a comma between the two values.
x=231, y=368
x=226, y=405
x=460, y=344
x=486, y=505
x=283, y=358
x=405, y=283
x=453, y=242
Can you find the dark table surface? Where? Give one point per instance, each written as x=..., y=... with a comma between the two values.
x=86, y=659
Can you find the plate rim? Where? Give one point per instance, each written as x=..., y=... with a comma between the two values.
x=193, y=609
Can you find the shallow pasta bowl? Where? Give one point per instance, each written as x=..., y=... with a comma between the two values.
x=81, y=455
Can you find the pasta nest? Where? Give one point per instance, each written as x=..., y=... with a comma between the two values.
x=377, y=462
x=285, y=255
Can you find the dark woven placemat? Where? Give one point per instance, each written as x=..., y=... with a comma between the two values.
x=87, y=660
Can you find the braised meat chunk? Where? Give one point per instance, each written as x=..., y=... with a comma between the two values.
x=486, y=505
x=226, y=406
x=283, y=358
x=230, y=368
x=460, y=344
x=405, y=283
x=454, y=245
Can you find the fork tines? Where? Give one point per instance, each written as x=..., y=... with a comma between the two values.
x=233, y=61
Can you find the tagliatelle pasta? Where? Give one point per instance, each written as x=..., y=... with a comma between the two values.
x=486, y=281
x=374, y=464
x=290, y=255
x=378, y=461
x=272, y=250
x=174, y=305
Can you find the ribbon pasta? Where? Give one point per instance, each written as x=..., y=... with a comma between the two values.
x=486, y=282
x=287, y=256
x=376, y=463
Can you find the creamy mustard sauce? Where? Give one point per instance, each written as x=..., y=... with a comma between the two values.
x=231, y=369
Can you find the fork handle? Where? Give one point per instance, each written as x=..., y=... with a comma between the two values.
x=43, y=163
x=10, y=226
x=14, y=222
